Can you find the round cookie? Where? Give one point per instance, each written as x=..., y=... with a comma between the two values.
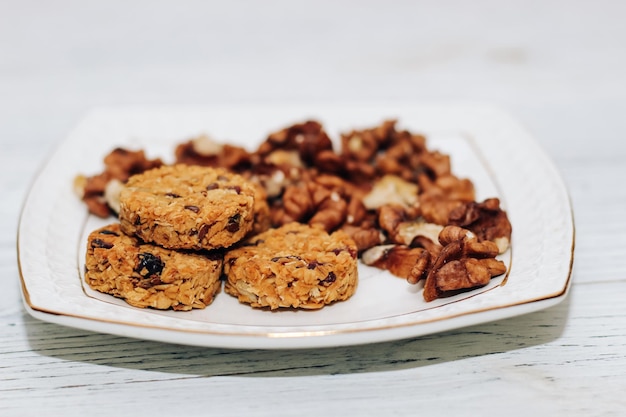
x=148, y=275
x=187, y=207
x=292, y=266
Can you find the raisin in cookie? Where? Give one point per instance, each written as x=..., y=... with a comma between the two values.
x=148, y=275
x=187, y=207
x=293, y=266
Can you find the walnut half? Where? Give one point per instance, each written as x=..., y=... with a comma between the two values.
x=463, y=263
x=487, y=220
x=99, y=191
x=402, y=261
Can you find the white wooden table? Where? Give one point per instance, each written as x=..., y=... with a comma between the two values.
x=559, y=67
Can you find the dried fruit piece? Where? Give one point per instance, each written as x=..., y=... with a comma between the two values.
x=391, y=189
x=149, y=264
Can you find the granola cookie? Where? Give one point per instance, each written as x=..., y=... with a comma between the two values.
x=188, y=207
x=147, y=275
x=293, y=266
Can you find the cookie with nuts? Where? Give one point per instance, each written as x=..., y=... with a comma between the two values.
x=146, y=275
x=295, y=265
x=188, y=207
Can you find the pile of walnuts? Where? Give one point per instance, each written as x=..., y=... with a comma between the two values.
x=399, y=201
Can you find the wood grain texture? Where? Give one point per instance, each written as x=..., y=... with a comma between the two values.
x=561, y=69
x=568, y=356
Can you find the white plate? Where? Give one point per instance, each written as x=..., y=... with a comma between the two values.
x=485, y=144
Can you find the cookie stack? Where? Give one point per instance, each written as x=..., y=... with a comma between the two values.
x=176, y=224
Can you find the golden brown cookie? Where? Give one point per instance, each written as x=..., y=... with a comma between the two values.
x=293, y=266
x=188, y=207
x=148, y=275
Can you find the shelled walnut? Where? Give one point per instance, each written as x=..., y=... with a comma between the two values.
x=463, y=263
x=205, y=151
x=309, y=139
x=99, y=192
x=487, y=220
x=401, y=260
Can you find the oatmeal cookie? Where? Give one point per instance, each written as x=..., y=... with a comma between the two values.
x=188, y=207
x=293, y=266
x=148, y=275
